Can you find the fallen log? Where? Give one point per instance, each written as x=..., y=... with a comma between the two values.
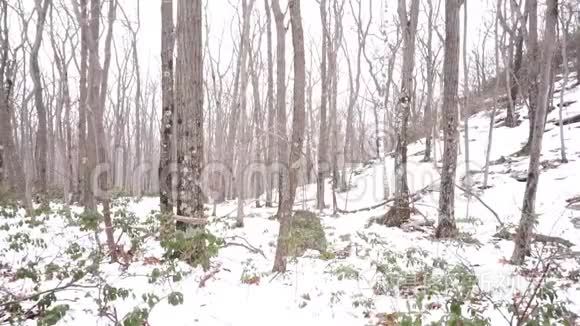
x=570, y=120
x=190, y=220
x=573, y=200
x=536, y=238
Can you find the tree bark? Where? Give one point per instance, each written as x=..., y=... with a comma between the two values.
x=322, y=168
x=430, y=81
x=565, y=26
x=401, y=212
x=446, y=227
x=42, y=132
x=285, y=213
x=167, y=106
x=83, y=195
x=533, y=70
x=189, y=106
x=270, y=152
x=11, y=167
x=528, y=218
x=280, y=98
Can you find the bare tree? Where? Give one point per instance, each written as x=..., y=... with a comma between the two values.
x=64, y=48
x=284, y=214
x=323, y=132
x=531, y=8
x=431, y=58
x=401, y=212
x=565, y=24
x=11, y=167
x=280, y=97
x=495, y=98
x=137, y=187
x=245, y=45
x=189, y=106
x=446, y=227
x=41, y=8
x=167, y=107
x=271, y=149
x=354, y=86
x=333, y=46
x=527, y=221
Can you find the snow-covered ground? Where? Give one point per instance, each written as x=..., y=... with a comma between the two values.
x=342, y=290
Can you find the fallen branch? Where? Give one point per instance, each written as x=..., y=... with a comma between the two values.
x=413, y=198
x=471, y=193
x=208, y=276
x=246, y=245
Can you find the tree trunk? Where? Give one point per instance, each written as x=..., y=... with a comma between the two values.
x=11, y=167
x=466, y=110
x=430, y=80
x=257, y=117
x=528, y=218
x=516, y=79
x=495, y=104
x=564, y=30
x=285, y=213
x=167, y=106
x=322, y=168
x=270, y=152
x=446, y=227
x=82, y=193
x=42, y=132
x=533, y=70
x=189, y=106
x=281, y=98
x=401, y=212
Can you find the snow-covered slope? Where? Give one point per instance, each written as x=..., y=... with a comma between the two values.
x=343, y=288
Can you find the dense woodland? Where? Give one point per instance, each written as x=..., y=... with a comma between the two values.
x=271, y=103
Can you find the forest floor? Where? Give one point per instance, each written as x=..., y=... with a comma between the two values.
x=370, y=274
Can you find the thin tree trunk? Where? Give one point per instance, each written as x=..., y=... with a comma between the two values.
x=322, y=168
x=430, y=81
x=82, y=181
x=280, y=98
x=167, y=106
x=401, y=212
x=11, y=166
x=466, y=110
x=528, y=218
x=270, y=152
x=446, y=227
x=42, y=133
x=564, y=30
x=533, y=70
x=285, y=213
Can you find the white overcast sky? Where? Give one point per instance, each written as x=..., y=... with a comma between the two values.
x=222, y=19
x=223, y=23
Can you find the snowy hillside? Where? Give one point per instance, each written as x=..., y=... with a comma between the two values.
x=370, y=274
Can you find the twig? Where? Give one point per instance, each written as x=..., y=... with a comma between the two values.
x=208, y=276
x=534, y=294
x=414, y=197
x=246, y=245
x=469, y=192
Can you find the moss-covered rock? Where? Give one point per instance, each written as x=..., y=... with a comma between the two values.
x=306, y=233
